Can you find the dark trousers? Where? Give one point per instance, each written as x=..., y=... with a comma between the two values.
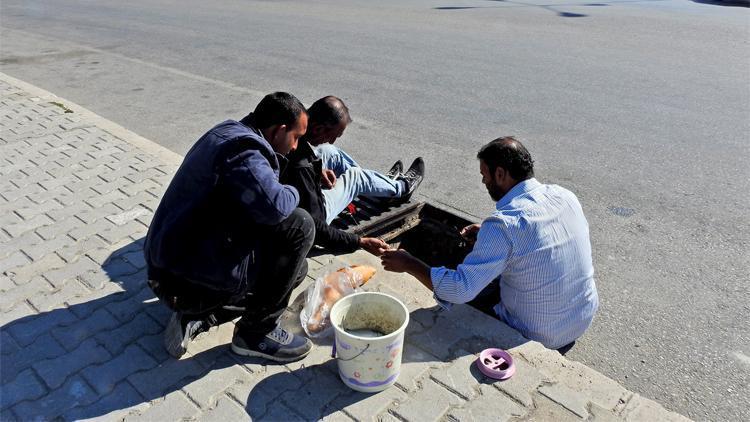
x=490, y=296
x=280, y=267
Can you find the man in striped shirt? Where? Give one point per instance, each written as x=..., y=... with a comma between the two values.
x=531, y=258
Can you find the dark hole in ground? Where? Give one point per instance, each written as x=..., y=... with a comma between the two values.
x=426, y=231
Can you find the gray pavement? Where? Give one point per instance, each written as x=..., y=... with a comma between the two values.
x=641, y=107
x=82, y=334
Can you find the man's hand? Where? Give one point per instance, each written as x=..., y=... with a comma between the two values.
x=470, y=232
x=397, y=261
x=328, y=178
x=373, y=245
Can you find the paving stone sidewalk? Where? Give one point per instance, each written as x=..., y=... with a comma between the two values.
x=82, y=334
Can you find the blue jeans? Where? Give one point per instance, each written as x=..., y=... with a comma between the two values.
x=352, y=181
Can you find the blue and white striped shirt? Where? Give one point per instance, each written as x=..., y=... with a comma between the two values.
x=537, y=242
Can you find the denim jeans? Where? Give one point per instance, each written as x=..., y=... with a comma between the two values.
x=352, y=181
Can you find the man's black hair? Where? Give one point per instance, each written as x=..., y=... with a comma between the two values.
x=329, y=111
x=279, y=108
x=510, y=154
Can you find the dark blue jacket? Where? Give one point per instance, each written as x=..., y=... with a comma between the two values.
x=203, y=230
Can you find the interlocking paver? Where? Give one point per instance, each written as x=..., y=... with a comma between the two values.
x=26, y=330
x=26, y=386
x=55, y=371
x=215, y=382
x=57, y=297
x=172, y=374
x=226, y=409
x=116, y=340
x=174, y=407
x=489, y=405
x=104, y=377
x=430, y=403
x=84, y=197
x=72, y=335
x=364, y=407
x=10, y=298
x=113, y=406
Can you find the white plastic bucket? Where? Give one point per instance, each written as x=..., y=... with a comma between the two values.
x=369, y=337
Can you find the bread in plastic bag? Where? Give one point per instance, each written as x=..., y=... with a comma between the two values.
x=325, y=292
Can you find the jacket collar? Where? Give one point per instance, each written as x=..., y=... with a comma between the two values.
x=519, y=189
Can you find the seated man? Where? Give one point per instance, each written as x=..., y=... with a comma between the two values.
x=533, y=254
x=328, y=118
x=228, y=240
x=343, y=178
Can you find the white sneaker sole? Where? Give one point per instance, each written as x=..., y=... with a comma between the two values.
x=253, y=353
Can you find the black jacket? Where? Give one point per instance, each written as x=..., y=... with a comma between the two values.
x=204, y=229
x=304, y=173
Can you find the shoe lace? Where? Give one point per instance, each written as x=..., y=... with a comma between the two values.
x=279, y=335
x=410, y=176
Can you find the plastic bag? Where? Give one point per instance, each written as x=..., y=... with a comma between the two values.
x=325, y=292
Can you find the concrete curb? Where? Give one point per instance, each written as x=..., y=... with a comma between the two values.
x=109, y=126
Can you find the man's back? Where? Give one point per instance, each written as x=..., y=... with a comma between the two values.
x=227, y=182
x=547, y=288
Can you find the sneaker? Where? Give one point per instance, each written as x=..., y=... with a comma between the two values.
x=181, y=331
x=279, y=345
x=396, y=170
x=412, y=178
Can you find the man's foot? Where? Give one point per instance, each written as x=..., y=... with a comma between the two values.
x=396, y=170
x=180, y=331
x=412, y=178
x=279, y=345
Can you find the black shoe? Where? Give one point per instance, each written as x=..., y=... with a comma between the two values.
x=396, y=170
x=413, y=177
x=279, y=345
x=180, y=331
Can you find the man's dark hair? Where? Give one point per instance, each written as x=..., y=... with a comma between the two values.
x=279, y=108
x=510, y=154
x=329, y=111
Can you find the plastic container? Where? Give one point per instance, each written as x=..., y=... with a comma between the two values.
x=369, y=337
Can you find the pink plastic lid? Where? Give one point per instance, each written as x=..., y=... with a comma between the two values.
x=496, y=364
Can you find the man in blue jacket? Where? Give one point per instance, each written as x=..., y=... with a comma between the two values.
x=228, y=239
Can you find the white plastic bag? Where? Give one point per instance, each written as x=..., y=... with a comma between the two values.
x=323, y=294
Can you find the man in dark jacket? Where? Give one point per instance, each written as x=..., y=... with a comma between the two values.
x=228, y=239
x=317, y=165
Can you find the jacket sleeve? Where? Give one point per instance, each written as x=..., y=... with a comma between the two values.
x=256, y=186
x=334, y=239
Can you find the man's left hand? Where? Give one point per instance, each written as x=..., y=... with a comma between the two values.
x=397, y=261
x=328, y=178
x=373, y=245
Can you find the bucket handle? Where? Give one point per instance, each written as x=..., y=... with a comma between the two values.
x=333, y=352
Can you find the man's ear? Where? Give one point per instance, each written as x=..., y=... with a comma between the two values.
x=499, y=175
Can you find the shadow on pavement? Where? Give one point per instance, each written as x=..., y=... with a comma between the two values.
x=105, y=354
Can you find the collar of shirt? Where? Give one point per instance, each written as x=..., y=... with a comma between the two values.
x=519, y=189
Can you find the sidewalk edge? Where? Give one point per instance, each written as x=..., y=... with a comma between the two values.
x=107, y=125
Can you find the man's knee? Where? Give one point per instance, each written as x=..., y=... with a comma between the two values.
x=303, y=226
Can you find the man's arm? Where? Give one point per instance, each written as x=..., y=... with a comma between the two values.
x=252, y=180
x=485, y=263
x=400, y=261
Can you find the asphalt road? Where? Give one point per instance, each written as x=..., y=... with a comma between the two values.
x=642, y=108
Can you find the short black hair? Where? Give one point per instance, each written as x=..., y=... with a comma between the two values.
x=329, y=111
x=279, y=108
x=510, y=154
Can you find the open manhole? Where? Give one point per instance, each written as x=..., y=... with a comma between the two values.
x=427, y=231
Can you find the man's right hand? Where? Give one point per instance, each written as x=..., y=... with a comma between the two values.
x=328, y=179
x=470, y=232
